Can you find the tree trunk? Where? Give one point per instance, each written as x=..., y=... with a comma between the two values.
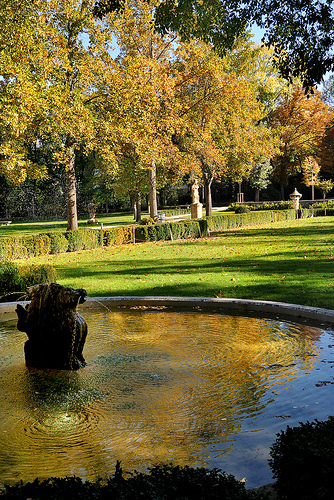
x=257, y=194
x=71, y=191
x=283, y=168
x=207, y=194
x=138, y=207
x=153, y=192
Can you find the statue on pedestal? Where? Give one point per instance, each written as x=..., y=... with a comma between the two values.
x=196, y=206
x=92, y=211
x=194, y=192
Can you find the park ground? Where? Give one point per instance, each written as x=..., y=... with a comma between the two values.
x=291, y=261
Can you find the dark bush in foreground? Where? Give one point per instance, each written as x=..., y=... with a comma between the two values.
x=165, y=482
x=302, y=461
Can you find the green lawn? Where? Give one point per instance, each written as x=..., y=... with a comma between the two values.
x=290, y=262
x=28, y=227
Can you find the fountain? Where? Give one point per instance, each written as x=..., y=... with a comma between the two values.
x=209, y=386
x=56, y=331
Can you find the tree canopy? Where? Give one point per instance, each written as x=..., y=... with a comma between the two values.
x=301, y=31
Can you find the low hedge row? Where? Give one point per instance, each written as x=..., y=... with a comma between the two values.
x=18, y=247
x=21, y=247
x=278, y=205
x=197, y=228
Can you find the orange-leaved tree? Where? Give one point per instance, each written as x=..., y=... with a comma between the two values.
x=224, y=134
x=301, y=121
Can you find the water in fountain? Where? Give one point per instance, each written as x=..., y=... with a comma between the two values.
x=189, y=388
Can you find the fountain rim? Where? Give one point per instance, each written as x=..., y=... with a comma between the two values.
x=200, y=304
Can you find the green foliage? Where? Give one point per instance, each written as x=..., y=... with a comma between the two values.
x=241, y=209
x=59, y=243
x=34, y=274
x=41, y=244
x=92, y=238
x=147, y=221
x=280, y=205
x=162, y=482
x=75, y=240
x=117, y=235
x=10, y=279
x=14, y=278
x=302, y=461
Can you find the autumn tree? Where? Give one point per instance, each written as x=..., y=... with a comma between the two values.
x=325, y=186
x=301, y=33
x=224, y=133
x=310, y=169
x=301, y=121
x=62, y=73
x=147, y=116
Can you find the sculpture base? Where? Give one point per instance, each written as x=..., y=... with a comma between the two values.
x=93, y=221
x=196, y=210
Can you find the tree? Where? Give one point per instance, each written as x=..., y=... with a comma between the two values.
x=301, y=122
x=62, y=78
x=224, y=133
x=310, y=169
x=260, y=178
x=325, y=186
x=302, y=32
x=147, y=116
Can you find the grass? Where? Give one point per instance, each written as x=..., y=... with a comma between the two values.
x=289, y=261
x=29, y=227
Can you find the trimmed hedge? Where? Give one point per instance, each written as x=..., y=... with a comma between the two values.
x=117, y=235
x=59, y=243
x=18, y=247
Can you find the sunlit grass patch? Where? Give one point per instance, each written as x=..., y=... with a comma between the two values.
x=288, y=261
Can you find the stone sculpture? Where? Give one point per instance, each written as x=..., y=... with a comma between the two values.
x=56, y=331
x=92, y=211
x=194, y=192
x=196, y=206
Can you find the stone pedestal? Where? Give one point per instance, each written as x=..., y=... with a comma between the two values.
x=295, y=197
x=196, y=210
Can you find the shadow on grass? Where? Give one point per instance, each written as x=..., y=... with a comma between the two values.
x=292, y=279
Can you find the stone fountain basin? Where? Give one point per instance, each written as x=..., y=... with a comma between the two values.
x=245, y=306
x=145, y=396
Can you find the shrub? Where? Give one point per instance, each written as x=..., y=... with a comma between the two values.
x=92, y=238
x=241, y=209
x=15, y=279
x=34, y=274
x=117, y=235
x=10, y=278
x=147, y=221
x=58, y=242
x=42, y=244
x=75, y=240
x=302, y=461
x=165, y=482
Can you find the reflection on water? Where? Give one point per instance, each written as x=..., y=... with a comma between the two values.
x=188, y=388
